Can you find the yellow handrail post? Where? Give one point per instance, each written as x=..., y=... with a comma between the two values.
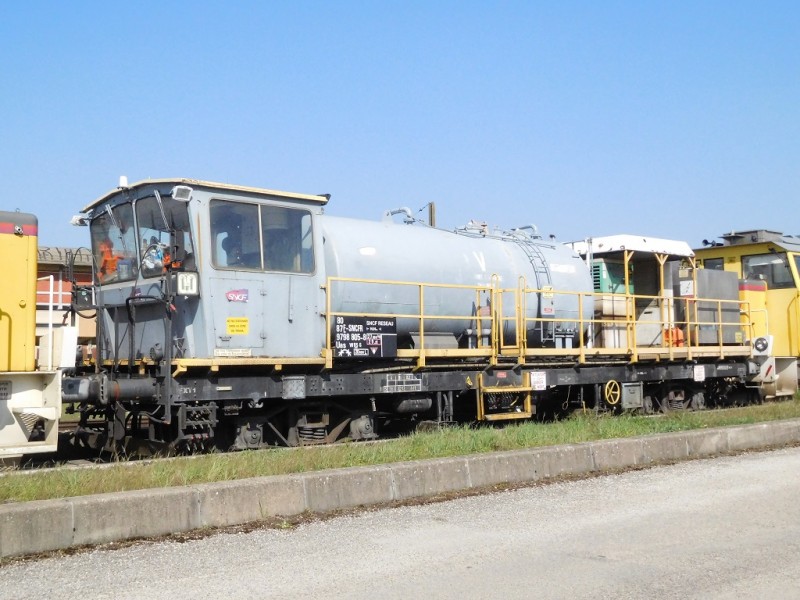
x=497, y=316
x=328, y=349
x=522, y=325
x=721, y=336
x=581, y=326
x=421, y=358
x=666, y=307
x=630, y=310
x=692, y=340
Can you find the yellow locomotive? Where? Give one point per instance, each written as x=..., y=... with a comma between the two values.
x=768, y=265
x=30, y=386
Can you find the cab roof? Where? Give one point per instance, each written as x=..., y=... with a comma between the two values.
x=613, y=244
x=753, y=237
x=198, y=183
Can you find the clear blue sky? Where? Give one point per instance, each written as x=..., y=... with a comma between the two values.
x=671, y=119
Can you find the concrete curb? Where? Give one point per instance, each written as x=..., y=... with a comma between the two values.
x=46, y=525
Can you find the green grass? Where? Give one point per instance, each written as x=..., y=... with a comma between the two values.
x=21, y=487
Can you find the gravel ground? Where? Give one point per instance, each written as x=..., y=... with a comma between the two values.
x=723, y=528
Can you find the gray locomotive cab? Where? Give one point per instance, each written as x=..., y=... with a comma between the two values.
x=256, y=288
x=143, y=252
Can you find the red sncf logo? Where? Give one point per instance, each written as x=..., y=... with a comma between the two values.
x=237, y=295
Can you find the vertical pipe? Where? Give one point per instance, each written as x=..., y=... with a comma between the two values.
x=432, y=214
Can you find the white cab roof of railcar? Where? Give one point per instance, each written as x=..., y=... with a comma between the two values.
x=636, y=243
x=207, y=184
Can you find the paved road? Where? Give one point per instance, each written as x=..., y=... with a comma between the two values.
x=722, y=529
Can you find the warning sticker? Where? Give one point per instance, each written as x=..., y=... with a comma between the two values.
x=539, y=380
x=233, y=352
x=699, y=372
x=365, y=337
x=238, y=325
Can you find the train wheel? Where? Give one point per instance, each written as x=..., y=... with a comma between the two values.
x=612, y=392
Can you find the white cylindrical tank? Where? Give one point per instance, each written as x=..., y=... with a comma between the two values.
x=389, y=251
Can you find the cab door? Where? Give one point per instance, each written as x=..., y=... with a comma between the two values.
x=293, y=292
x=268, y=296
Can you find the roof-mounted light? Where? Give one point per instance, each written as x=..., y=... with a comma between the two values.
x=182, y=193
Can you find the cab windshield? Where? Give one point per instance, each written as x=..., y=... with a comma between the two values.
x=772, y=268
x=114, y=244
x=155, y=227
x=123, y=251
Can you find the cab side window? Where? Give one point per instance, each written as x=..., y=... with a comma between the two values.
x=287, y=239
x=235, y=235
x=261, y=237
x=772, y=268
x=715, y=264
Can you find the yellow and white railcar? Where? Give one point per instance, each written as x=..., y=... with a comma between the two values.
x=30, y=389
x=768, y=265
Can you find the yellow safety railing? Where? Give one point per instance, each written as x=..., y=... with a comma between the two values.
x=477, y=300
x=646, y=327
x=496, y=323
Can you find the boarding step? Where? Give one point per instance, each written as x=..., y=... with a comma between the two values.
x=504, y=395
